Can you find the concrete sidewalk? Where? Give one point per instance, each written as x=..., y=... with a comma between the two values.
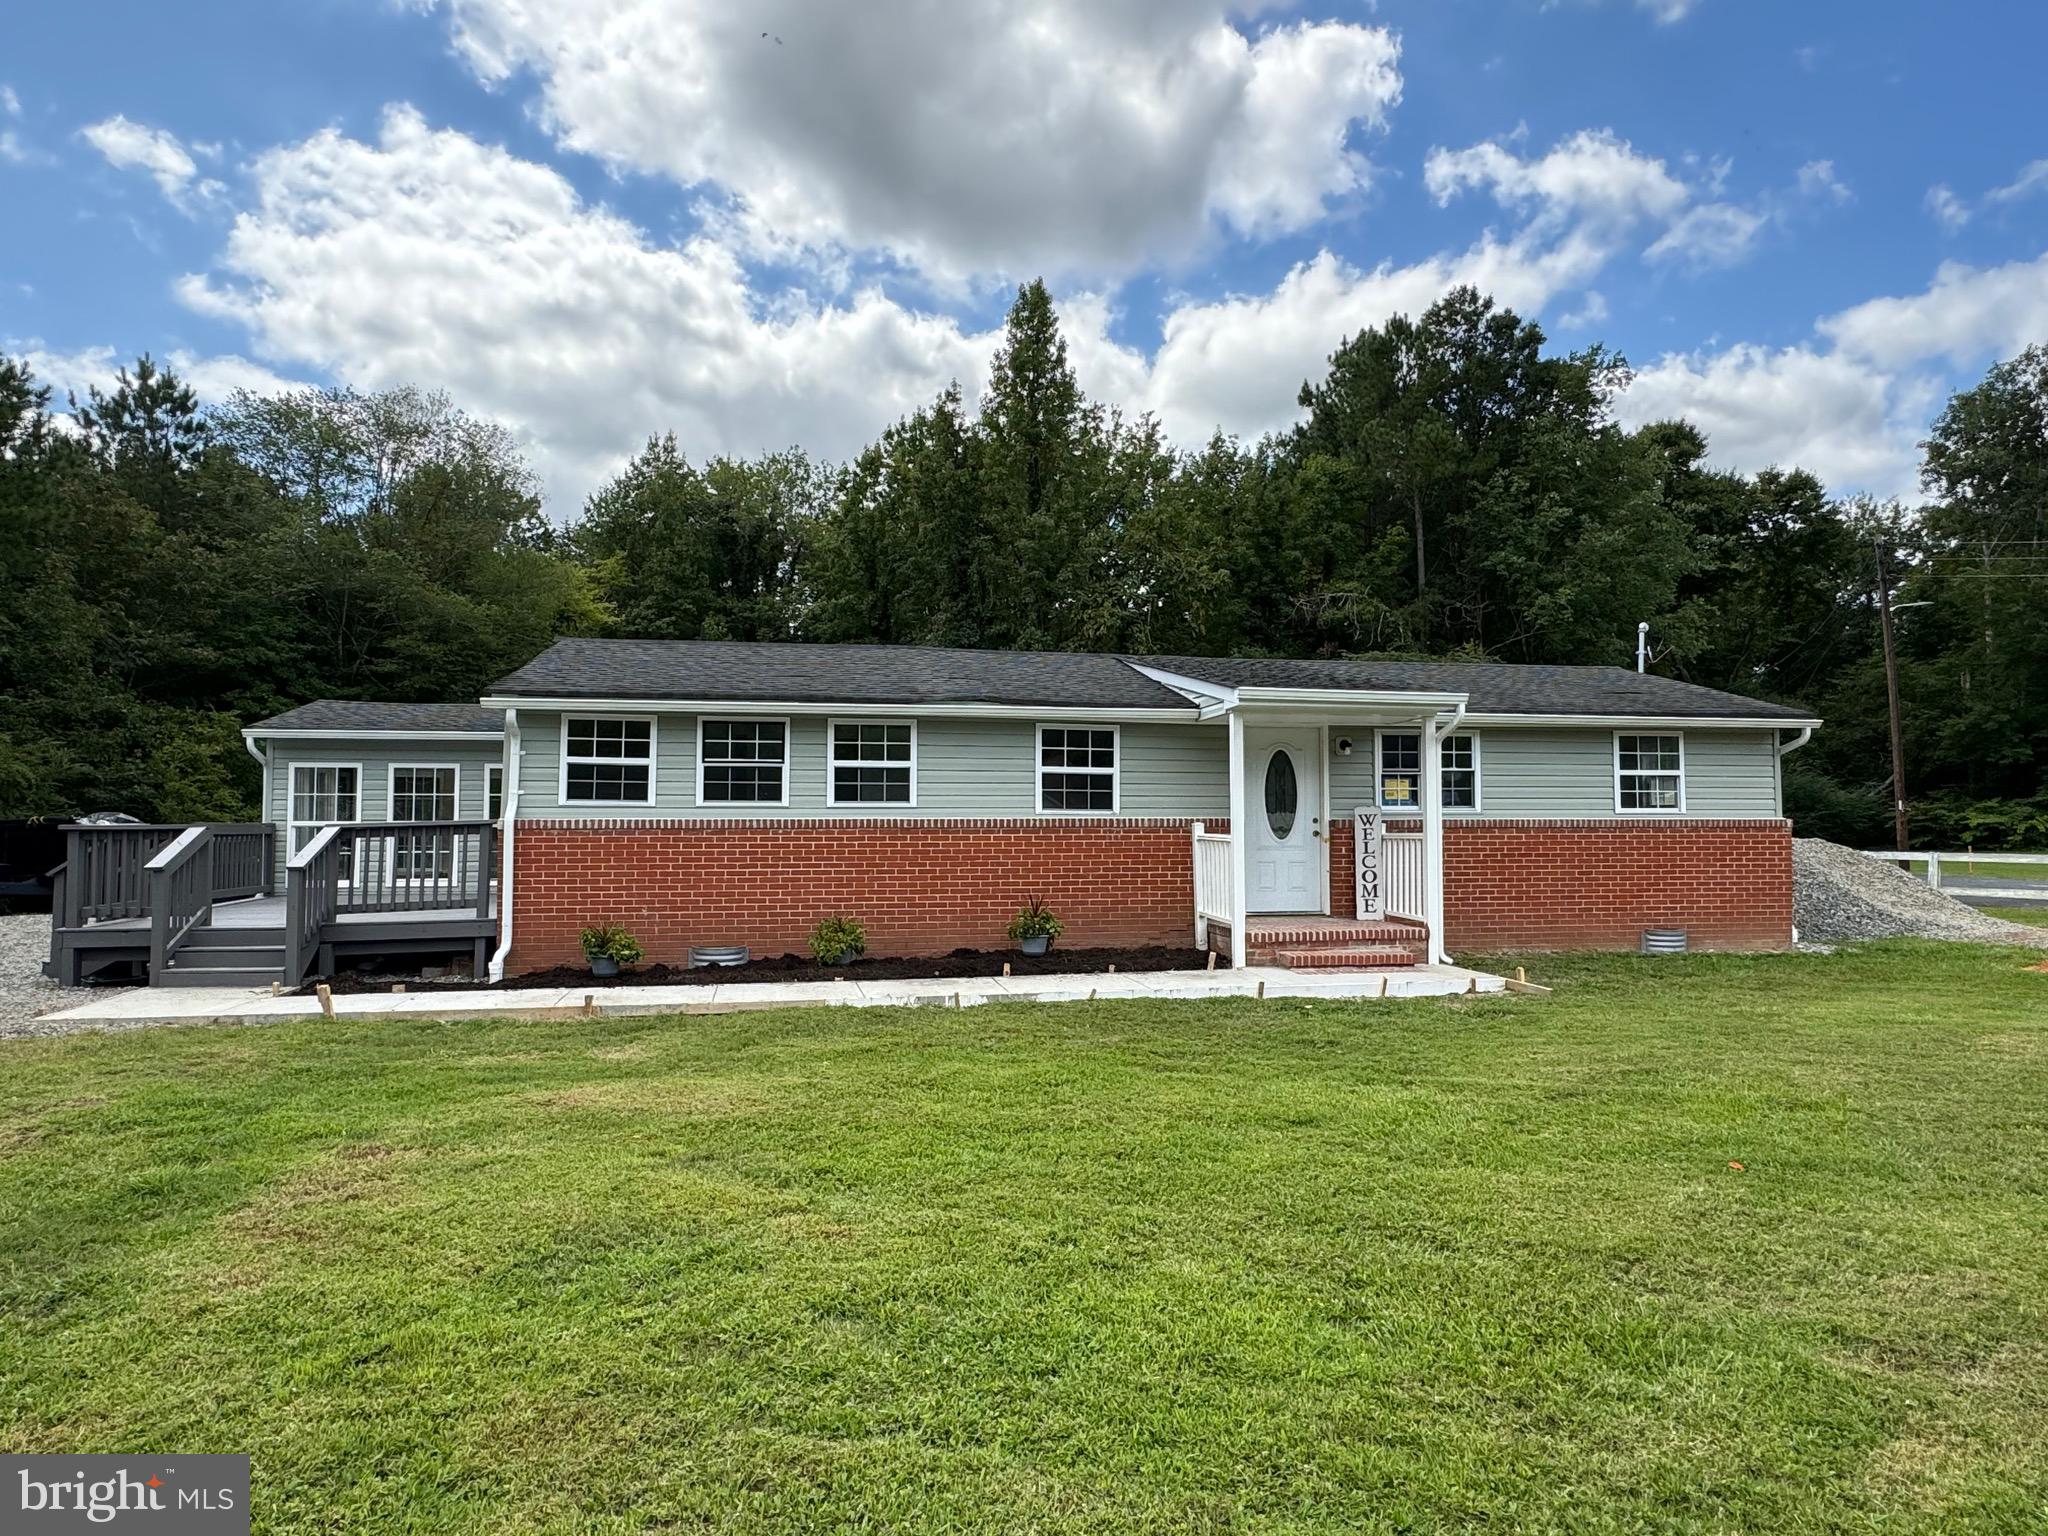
x=145, y=1006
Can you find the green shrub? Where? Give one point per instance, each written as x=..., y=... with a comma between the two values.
x=611, y=944
x=837, y=936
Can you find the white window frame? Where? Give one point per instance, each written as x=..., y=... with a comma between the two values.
x=1116, y=766
x=653, y=725
x=833, y=763
x=391, y=773
x=291, y=801
x=788, y=756
x=1638, y=810
x=1478, y=777
x=1379, y=773
x=494, y=787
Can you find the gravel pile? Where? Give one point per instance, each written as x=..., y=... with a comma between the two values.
x=1839, y=895
x=26, y=994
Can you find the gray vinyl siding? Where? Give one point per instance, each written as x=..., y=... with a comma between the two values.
x=376, y=760
x=965, y=767
x=1565, y=772
x=986, y=768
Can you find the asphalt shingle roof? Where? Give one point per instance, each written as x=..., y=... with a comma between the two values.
x=737, y=671
x=1492, y=688
x=765, y=672
x=359, y=715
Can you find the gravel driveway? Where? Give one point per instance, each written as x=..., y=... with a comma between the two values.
x=25, y=992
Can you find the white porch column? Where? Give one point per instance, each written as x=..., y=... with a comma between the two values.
x=1238, y=827
x=1433, y=730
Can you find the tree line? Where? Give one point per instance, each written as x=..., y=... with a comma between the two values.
x=1455, y=488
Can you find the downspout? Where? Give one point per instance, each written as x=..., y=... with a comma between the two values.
x=509, y=809
x=1778, y=763
x=262, y=756
x=1434, y=788
x=280, y=842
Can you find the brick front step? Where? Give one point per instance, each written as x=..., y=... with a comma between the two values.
x=1336, y=956
x=1309, y=932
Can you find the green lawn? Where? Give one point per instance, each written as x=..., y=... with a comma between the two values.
x=1484, y=1265
x=1969, y=870
x=2035, y=917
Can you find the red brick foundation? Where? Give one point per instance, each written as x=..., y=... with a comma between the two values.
x=920, y=886
x=1598, y=884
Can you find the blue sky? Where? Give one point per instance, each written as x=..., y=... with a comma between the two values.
x=1803, y=224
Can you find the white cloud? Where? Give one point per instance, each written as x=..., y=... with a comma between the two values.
x=213, y=378
x=1592, y=311
x=1069, y=136
x=1850, y=424
x=1853, y=410
x=1667, y=11
x=2033, y=179
x=10, y=104
x=1593, y=176
x=430, y=258
x=1710, y=235
x=131, y=146
x=1817, y=180
x=1966, y=315
x=1950, y=211
x=427, y=257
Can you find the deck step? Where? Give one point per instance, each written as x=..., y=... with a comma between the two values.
x=1326, y=957
x=232, y=936
x=216, y=976
x=230, y=957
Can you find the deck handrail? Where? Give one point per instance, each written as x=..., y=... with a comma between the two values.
x=180, y=879
x=312, y=879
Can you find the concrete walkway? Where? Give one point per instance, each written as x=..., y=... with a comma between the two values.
x=145, y=1006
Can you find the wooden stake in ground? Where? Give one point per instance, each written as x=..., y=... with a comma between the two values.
x=1006, y=970
x=326, y=995
x=1212, y=960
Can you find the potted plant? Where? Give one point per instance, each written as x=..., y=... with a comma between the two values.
x=837, y=940
x=1035, y=928
x=609, y=948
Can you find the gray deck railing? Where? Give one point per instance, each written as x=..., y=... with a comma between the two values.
x=180, y=892
x=417, y=866
x=105, y=874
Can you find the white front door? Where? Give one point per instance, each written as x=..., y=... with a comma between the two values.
x=1284, y=804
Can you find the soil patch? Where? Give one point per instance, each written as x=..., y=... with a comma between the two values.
x=961, y=963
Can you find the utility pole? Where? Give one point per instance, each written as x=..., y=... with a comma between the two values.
x=1891, y=689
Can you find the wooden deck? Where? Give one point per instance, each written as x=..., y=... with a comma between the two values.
x=199, y=906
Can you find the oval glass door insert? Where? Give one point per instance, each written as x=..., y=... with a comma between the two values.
x=1283, y=795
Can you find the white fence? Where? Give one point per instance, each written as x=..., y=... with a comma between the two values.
x=1935, y=861
x=1212, y=881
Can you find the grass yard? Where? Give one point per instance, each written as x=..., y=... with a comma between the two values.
x=2033, y=917
x=1115, y=1267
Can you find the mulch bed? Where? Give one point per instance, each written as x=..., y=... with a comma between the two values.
x=961, y=962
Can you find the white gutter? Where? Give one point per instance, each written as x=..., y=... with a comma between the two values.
x=1478, y=719
x=1805, y=735
x=509, y=810
x=344, y=733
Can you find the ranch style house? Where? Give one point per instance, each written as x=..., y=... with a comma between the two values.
x=715, y=793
